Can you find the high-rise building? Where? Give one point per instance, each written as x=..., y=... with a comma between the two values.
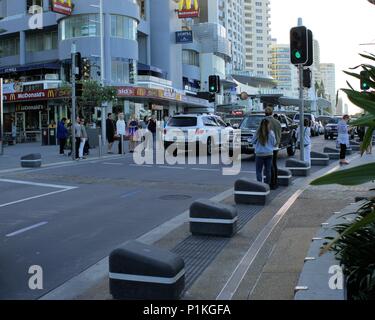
x=328, y=77
x=257, y=36
x=282, y=70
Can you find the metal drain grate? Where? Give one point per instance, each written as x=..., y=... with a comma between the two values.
x=199, y=252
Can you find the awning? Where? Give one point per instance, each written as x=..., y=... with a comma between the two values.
x=146, y=67
x=29, y=67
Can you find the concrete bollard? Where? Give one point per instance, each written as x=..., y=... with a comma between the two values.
x=284, y=177
x=251, y=192
x=319, y=159
x=298, y=168
x=31, y=161
x=141, y=272
x=213, y=219
x=332, y=153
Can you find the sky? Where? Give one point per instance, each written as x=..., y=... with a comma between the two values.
x=340, y=26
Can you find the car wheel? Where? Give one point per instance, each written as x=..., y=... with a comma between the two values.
x=291, y=150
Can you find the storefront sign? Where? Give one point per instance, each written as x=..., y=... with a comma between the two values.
x=184, y=36
x=64, y=7
x=36, y=107
x=32, y=95
x=188, y=9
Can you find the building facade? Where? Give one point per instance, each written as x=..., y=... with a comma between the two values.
x=283, y=71
x=328, y=77
x=151, y=71
x=257, y=36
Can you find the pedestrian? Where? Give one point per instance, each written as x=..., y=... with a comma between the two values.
x=369, y=148
x=62, y=134
x=264, y=141
x=133, y=128
x=306, y=140
x=83, y=139
x=152, y=128
x=78, y=134
x=276, y=128
x=121, y=132
x=343, y=138
x=110, y=132
x=14, y=132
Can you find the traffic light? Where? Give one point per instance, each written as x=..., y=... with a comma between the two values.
x=86, y=69
x=365, y=78
x=307, y=78
x=78, y=64
x=299, y=45
x=214, y=84
x=310, y=47
x=79, y=89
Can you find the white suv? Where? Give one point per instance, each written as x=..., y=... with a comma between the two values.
x=197, y=131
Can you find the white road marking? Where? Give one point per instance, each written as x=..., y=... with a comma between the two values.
x=112, y=163
x=61, y=188
x=15, y=233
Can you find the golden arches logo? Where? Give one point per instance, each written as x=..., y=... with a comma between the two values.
x=51, y=94
x=12, y=97
x=68, y=2
x=188, y=5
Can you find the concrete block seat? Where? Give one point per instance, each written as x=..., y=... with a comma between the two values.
x=319, y=159
x=31, y=161
x=332, y=153
x=251, y=192
x=213, y=219
x=284, y=177
x=141, y=272
x=298, y=168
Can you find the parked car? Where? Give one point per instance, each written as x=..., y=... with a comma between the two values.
x=330, y=130
x=250, y=125
x=320, y=127
x=314, y=124
x=196, y=131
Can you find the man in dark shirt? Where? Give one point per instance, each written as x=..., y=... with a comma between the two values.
x=110, y=131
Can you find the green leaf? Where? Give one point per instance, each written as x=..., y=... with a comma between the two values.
x=362, y=100
x=358, y=76
x=365, y=121
x=363, y=222
x=367, y=140
x=350, y=177
x=367, y=56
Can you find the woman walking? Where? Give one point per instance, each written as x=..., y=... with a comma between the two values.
x=265, y=142
x=83, y=140
x=133, y=128
x=343, y=138
x=306, y=140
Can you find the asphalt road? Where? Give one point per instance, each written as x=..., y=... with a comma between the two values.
x=67, y=218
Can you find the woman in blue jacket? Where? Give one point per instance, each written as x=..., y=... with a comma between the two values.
x=62, y=134
x=264, y=142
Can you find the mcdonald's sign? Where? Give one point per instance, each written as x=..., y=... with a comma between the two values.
x=62, y=6
x=51, y=94
x=188, y=9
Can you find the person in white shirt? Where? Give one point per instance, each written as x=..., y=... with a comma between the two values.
x=121, y=131
x=306, y=140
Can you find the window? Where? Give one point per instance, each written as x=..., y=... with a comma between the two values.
x=86, y=25
x=190, y=57
x=123, y=27
x=41, y=41
x=9, y=47
x=123, y=70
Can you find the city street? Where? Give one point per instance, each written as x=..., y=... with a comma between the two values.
x=67, y=217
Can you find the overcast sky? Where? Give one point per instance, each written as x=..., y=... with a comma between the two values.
x=339, y=26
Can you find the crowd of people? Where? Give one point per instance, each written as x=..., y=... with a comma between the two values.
x=116, y=131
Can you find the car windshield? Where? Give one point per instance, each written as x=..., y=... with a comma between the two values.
x=334, y=121
x=182, y=122
x=251, y=122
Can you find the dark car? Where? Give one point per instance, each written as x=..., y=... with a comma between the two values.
x=250, y=125
x=330, y=130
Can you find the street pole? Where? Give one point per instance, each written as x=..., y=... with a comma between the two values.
x=102, y=72
x=74, y=99
x=301, y=114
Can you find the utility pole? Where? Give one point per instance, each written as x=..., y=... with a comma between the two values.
x=74, y=99
x=102, y=73
x=301, y=113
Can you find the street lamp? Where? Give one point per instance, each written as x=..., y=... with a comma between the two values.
x=102, y=66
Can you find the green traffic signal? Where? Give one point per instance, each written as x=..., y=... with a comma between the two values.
x=298, y=55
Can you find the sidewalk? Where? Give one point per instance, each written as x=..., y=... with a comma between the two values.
x=50, y=154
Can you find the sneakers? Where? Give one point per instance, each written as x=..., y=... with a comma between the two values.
x=344, y=162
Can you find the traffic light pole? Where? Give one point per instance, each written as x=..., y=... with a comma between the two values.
x=74, y=100
x=301, y=114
